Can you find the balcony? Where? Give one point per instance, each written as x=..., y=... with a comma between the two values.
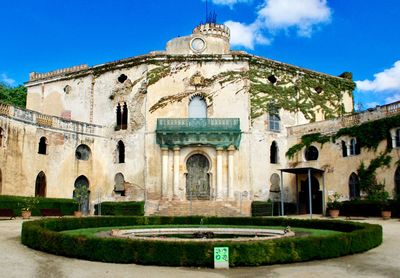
x=215, y=132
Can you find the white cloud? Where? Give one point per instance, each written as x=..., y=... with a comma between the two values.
x=275, y=15
x=302, y=15
x=387, y=80
x=6, y=80
x=246, y=35
x=394, y=98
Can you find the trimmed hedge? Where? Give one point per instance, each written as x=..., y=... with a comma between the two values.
x=44, y=235
x=66, y=206
x=262, y=208
x=121, y=208
x=367, y=208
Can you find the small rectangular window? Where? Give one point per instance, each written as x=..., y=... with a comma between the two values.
x=274, y=122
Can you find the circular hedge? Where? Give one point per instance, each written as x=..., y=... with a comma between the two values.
x=45, y=235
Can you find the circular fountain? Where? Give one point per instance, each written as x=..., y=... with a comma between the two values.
x=202, y=234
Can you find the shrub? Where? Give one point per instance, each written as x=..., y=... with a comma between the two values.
x=44, y=235
x=121, y=208
x=262, y=208
x=66, y=206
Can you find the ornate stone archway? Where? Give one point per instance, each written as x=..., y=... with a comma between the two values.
x=198, y=178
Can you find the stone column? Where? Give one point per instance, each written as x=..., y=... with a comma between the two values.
x=218, y=189
x=231, y=151
x=164, y=173
x=177, y=152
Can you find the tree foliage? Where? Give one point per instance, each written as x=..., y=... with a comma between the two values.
x=13, y=95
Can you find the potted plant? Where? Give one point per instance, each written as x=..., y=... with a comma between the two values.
x=81, y=194
x=385, y=205
x=28, y=203
x=334, y=205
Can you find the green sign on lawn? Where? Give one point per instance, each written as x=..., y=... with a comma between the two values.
x=221, y=257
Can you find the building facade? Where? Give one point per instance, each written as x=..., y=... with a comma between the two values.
x=196, y=129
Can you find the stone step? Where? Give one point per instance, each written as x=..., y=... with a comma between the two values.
x=206, y=208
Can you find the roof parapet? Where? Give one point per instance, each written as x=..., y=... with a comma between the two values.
x=36, y=76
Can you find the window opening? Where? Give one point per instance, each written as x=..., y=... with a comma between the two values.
x=274, y=153
x=311, y=153
x=197, y=107
x=121, y=152
x=122, y=78
x=274, y=122
x=82, y=152
x=42, y=145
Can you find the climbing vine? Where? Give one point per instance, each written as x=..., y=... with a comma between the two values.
x=368, y=134
x=223, y=79
x=295, y=92
x=306, y=141
x=367, y=177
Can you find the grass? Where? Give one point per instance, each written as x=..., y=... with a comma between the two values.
x=92, y=232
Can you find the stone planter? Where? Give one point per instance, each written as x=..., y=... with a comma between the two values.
x=386, y=214
x=26, y=214
x=78, y=213
x=334, y=213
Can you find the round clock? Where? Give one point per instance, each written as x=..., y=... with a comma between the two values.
x=198, y=44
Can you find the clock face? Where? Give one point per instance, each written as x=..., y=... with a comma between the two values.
x=198, y=44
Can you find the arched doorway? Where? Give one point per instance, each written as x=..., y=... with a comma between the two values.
x=79, y=182
x=397, y=182
x=316, y=197
x=40, y=185
x=354, y=186
x=197, y=179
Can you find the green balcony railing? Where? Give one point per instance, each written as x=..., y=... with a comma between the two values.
x=199, y=124
x=218, y=132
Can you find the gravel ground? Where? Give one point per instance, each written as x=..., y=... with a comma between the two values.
x=16, y=260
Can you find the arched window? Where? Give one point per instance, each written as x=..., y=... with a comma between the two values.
x=274, y=122
x=273, y=159
x=311, y=153
x=354, y=147
x=121, y=152
x=398, y=138
x=354, y=186
x=122, y=116
x=1, y=137
x=40, y=185
x=344, y=149
x=397, y=182
x=197, y=107
x=119, y=184
x=42, y=146
x=82, y=152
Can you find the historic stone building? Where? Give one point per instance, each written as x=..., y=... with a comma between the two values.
x=197, y=128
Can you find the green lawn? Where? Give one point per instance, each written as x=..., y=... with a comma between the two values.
x=91, y=232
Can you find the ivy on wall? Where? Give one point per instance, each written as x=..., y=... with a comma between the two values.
x=223, y=79
x=296, y=91
x=367, y=177
x=306, y=141
x=369, y=135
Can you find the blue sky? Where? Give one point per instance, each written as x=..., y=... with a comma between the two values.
x=361, y=36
